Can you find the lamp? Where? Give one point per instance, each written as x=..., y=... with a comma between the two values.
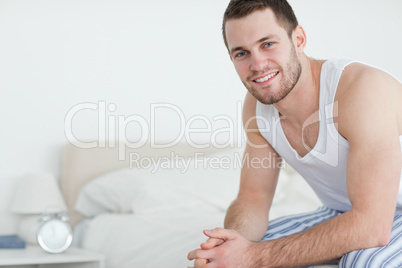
x=35, y=194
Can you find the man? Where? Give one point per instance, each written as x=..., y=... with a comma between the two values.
x=338, y=123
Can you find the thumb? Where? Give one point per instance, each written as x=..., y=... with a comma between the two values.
x=221, y=233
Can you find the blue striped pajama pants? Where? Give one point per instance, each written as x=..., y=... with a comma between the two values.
x=388, y=256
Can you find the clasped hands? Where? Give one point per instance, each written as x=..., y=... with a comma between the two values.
x=224, y=248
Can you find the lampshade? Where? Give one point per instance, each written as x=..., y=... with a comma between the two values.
x=37, y=193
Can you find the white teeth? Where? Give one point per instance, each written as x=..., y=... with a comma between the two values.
x=260, y=80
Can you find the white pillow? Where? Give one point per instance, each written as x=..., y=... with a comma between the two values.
x=202, y=182
x=110, y=193
x=196, y=186
x=205, y=182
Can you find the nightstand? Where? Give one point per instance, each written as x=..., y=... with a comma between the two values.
x=36, y=257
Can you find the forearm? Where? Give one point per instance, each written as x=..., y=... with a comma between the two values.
x=324, y=242
x=248, y=219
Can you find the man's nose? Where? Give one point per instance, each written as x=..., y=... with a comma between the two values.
x=258, y=62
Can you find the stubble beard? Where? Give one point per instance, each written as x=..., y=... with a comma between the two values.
x=290, y=77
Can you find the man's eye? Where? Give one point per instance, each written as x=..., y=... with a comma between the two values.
x=268, y=44
x=241, y=54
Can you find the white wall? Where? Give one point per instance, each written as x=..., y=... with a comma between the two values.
x=55, y=55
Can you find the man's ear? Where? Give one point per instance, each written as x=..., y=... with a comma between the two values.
x=230, y=56
x=299, y=39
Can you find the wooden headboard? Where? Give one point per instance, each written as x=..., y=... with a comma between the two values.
x=80, y=165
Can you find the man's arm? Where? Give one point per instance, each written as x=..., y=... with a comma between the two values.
x=248, y=214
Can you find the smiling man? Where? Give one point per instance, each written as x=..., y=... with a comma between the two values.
x=338, y=123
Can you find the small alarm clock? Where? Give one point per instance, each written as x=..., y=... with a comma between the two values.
x=54, y=233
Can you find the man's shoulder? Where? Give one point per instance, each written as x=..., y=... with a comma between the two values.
x=359, y=79
x=357, y=72
x=366, y=95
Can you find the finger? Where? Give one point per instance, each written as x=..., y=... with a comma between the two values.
x=198, y=254
x=200, y=263
x=211, y=243
x=191, y=255
x=221, y=233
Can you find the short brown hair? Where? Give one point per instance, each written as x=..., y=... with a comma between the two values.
x=284, y=14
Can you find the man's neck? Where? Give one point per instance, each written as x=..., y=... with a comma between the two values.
x=303, y=100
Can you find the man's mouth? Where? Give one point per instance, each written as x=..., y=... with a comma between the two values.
x=266, y=78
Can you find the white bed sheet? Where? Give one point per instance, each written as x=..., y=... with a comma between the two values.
x=161, y=239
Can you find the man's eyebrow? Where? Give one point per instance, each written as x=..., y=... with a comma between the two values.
x=233, y=50
x=272, y=36
x=265, y=38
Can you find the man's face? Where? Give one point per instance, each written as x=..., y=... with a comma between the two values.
x=263, y=55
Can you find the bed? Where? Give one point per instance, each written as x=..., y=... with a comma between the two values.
x=146, y=207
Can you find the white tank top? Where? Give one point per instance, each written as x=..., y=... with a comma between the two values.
x=324, y=167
